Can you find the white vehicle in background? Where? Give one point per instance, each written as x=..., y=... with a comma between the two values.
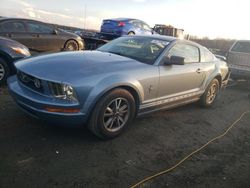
x=238, y=58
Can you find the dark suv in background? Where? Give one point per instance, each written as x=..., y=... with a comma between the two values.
x=39, y=36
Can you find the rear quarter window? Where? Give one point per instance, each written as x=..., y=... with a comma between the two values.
x=206, y=55
x=243, y=47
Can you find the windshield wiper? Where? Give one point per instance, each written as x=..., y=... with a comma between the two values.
x=117, y=53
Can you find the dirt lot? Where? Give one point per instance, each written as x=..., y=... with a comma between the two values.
x=33, y=154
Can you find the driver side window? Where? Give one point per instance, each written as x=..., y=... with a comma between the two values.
x=189, y=52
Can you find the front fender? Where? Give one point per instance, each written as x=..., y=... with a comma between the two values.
x=109, y=83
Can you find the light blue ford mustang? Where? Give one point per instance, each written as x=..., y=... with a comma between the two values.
x=107, y=88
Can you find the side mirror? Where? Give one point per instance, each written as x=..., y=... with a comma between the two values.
x=220, y=57
x=174, y=60
x=54, y=32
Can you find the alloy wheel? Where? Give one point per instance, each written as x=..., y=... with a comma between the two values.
x=71, y=46
x=116, y=114
x=2, y=72
x=212, y=92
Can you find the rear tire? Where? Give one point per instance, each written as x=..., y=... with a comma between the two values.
x=112, y=114
x=131, y=33
x=209, y=96
x=4, y=71
x=71, y=45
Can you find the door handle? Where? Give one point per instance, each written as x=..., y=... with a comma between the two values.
x=36, y=35
x=198, y=70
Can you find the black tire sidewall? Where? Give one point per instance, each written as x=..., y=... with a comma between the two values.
x=6, y=70
x=97, y=126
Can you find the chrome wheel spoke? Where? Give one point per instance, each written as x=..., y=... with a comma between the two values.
x=112, y=123
x=109, y=112
x=118, y=103
x=118, y=122
x=123, y=109
x=109, y=121
x=120, y=119
x=211, y=93
x=2, y=72
x=116, y=114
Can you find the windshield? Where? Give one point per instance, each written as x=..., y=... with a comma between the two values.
x=243, y=47
x=143, y=49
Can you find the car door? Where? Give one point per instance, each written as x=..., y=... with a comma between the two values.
x=15, y=29
x=179, y=80
x=45, y=37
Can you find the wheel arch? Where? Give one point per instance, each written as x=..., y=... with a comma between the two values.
x=6, y=57
x=219, y=78
x=132, y=90
x=131, y=31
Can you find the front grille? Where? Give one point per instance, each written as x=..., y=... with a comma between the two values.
x=57, y=89
x=30, y=81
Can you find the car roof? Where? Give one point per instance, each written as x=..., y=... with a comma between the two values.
x=159, y=37
x=166, y=38
x=242, y=41
x=121, y=19
x=162, y=37
x=21, y=19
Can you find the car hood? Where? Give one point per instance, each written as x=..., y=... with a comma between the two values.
x=6, y=42
x=70, y=66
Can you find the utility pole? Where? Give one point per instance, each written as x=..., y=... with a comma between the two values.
x=85, y=15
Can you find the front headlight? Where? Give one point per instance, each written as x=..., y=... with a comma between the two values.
x=22, y=51
x=63, y=91
x=68, y=91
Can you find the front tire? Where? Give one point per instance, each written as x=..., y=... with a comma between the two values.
x=211, y=93
x=4, y=71
x=112, y=114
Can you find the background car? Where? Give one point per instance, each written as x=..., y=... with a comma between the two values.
x=124, y=26
x=126, y=77
x=10, y=51
x=39, y=36
x=238, y=58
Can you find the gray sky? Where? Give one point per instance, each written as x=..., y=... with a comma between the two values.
x=212, y=18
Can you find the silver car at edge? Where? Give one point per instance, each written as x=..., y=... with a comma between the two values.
x=125, y=78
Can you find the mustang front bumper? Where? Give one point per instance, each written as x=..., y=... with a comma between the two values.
x=36, y=105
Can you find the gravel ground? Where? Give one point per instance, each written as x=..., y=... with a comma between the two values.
x=33, y=154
